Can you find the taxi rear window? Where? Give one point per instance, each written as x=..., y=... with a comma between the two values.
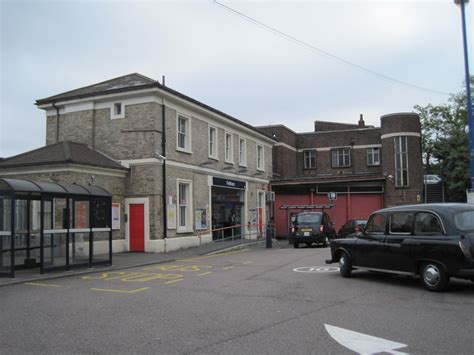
x=464, y=220
x=308, y=218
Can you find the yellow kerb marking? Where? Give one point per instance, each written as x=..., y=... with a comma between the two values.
x=228, y=267
x=204, y=273
x=38, y=284
x=216, y=255
x=120, y=291
x=172, y=282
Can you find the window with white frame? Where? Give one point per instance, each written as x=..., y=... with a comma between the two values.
x=183, y=133
x=260, y=158
x=401, y=161
x=242, y=152
x=184, y=206
x=228, y=148
x=341, y=157
x=373, y=156
x=117, y=110
x=309, y=159
x=213, y=142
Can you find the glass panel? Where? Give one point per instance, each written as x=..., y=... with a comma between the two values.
x=227, y=146
x=60, y=220
x=21, y=243
x=464, y=220
x=376, y=224
x=401, y=222
x=182, y=216
x=55, y=250
x=5, y=254
x=212, y=133
x=182, y=131
x=101, y=247
x=48, y=216
x=427, y=223
x=35, y=213
x=81, y=214
x=183, y=203
x=5, y=213
x=308, y=218
x=79, y=248
x=21, y=215
x=259, y=157
x=101, y=213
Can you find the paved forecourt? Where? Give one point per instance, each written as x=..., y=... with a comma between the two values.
x=279, y=300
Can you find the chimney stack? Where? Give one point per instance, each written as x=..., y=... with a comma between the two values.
x=361, y=121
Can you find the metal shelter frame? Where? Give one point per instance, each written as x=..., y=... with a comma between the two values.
x=21, y=246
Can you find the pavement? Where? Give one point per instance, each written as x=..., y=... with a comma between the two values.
x=129, y=260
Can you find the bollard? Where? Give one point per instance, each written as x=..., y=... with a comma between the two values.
x=269, y=237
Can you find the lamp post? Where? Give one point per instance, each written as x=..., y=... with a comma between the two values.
x=470, y=124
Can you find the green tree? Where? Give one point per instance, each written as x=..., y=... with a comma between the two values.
x=445, y=144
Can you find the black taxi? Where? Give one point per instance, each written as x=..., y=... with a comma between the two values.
x=432, y=241
x=312, y=227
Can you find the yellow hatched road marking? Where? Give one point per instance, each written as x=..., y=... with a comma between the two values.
x=39, y=284
x=228, y=267
x=216, y=255
x=120, y=291
x=171, y=282
x=204, y=273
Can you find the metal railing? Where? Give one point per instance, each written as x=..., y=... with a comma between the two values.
x=239, y=231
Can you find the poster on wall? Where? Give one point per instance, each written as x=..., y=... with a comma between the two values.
x=171, y=216
x=253, y=216
x=115, y=215
x=200, y=218
x=81, y=214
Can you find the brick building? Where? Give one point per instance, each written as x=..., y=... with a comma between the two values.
x=176, y=167
x=364, y=167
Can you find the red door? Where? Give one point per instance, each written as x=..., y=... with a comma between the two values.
x=137, y=227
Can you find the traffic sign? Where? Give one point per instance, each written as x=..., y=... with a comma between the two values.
x=332, y=196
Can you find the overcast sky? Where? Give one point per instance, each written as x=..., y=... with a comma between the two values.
x=231, y=64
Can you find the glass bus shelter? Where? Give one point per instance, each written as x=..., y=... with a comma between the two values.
x=53, y=226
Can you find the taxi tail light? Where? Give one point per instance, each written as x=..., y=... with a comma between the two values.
x=321, y=228
x=294, y=230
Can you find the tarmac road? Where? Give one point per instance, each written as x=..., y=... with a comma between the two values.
x=250, y=301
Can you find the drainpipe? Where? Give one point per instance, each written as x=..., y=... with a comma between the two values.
x=57, y=121
x=163, y=153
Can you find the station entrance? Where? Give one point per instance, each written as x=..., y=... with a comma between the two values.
x=228, y=200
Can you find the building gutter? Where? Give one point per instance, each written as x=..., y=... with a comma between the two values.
x=163, y=153
x=57, y=121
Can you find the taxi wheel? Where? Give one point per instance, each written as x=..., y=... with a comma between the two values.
x=345, y=267
x=295, y=245
x=433, y=277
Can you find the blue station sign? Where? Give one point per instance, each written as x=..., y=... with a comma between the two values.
x=233, y=184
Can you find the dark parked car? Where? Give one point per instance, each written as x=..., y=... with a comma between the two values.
x=432, y=241
x=312, y=227
x=351, y=226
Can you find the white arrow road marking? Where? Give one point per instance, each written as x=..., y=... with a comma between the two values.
x=363, y=343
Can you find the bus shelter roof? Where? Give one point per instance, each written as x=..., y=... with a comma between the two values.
x=12, y=186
